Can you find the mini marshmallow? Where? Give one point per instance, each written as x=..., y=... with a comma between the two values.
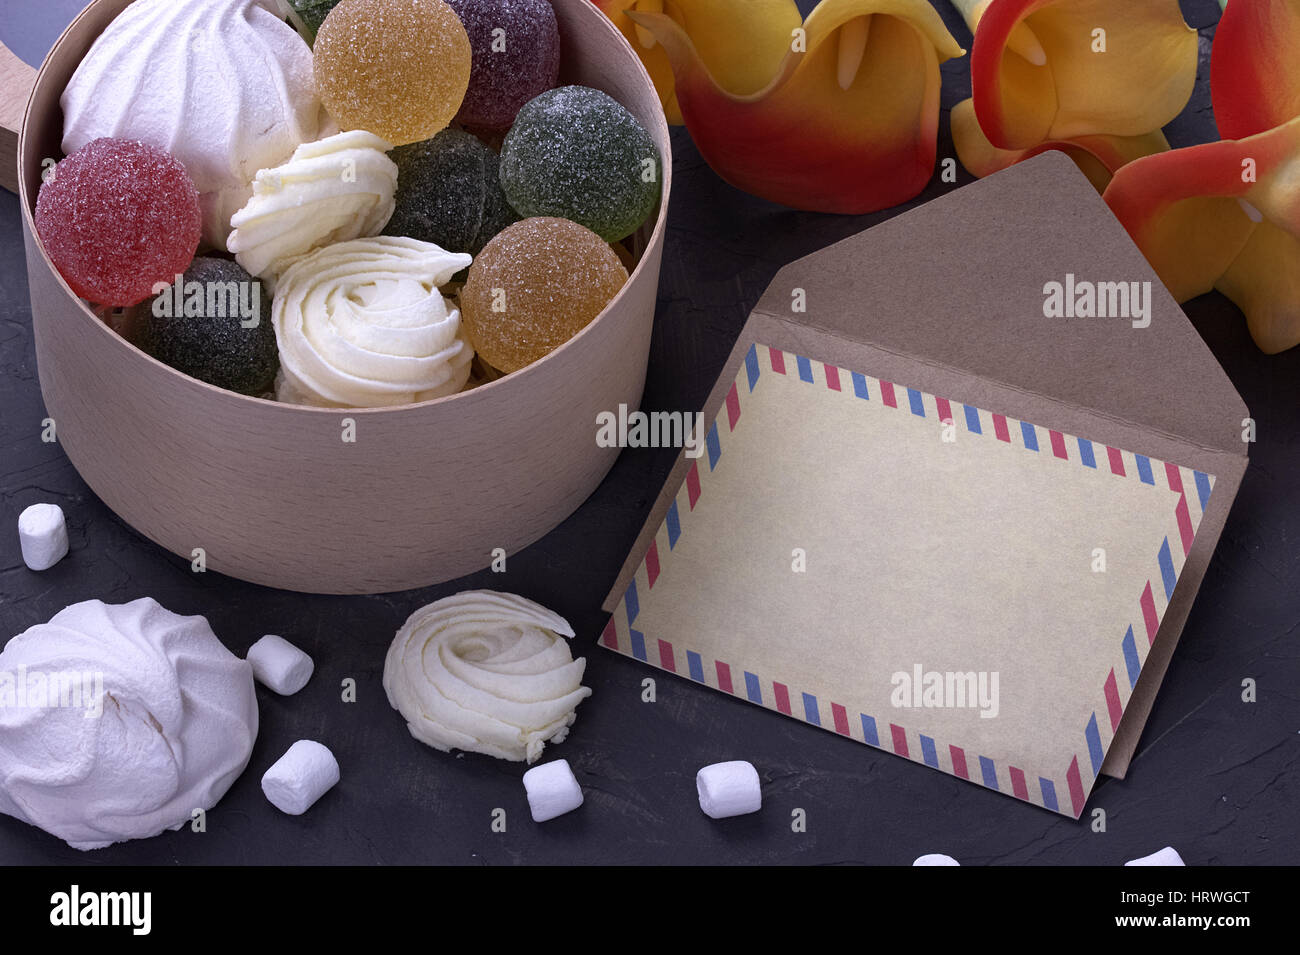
x=277, y=663
x=43, y=536
x=1166, y=856
x=729, y=789
x=552, y=790
x=936, y=858
x=301, y=776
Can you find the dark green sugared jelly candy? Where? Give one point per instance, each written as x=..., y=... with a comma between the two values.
x=449, y=193
x=214, y=325
x=575, y=153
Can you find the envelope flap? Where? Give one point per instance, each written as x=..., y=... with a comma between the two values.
x=960, y=282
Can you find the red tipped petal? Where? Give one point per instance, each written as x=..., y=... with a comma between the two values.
x=1255, y=66
x=1224, y=215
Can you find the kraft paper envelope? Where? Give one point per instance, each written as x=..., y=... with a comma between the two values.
x=934, y=519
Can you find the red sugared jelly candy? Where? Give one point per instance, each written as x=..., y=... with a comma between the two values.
x=116, y=217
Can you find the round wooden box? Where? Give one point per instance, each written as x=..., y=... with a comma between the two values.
x=273, y=493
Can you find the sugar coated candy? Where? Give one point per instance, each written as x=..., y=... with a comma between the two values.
x=116, y=217
x=396, y=68
x=214, y=324
x=516, y=47
x=449, y=192
x=575, y=153
x=535, y=286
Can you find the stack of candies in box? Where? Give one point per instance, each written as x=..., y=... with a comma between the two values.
x=343, y=203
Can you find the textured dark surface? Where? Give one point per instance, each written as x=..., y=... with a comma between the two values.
x=1215, y=777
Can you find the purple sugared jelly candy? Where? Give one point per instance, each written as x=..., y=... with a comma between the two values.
x=516, y=55
x=116, y=217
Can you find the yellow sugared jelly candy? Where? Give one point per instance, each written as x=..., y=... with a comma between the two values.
x=397, y=68
x=535, y=286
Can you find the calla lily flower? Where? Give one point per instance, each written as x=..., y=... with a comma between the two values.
x=1059, y=69
x=1226, y=215
x=1096, y=79
x=840, y=114
x=742, y=42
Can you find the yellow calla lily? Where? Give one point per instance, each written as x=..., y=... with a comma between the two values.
x=1226, y=215
x=1058, y=69
x=1096, y=79
x=1202, y=224
x=1192, y=211
x=742, y=41
x=839, y=114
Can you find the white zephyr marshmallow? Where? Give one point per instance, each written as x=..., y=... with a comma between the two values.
x=485, y=672
x=166, y=722
x=43, y=536
x=729, y=789
x=277, y=663
x=936, y=858
x=307, y=771
x=552, y=790
x=332, y=190
x=362, y=324
x=1166, y=856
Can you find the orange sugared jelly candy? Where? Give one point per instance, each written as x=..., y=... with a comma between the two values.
x=535, y=286
x=396, y=68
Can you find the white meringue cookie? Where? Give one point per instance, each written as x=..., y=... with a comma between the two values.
x=361, y=324
x=225, y=86
x=331, y=190
x=176, y=721
x=485, y=672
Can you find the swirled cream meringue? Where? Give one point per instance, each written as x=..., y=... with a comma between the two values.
x=485, y=672
x=332, y=190
x=153, y=718
x=225, y=86
x=361, y=324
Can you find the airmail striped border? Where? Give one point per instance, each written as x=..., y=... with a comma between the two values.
x=1065, y=790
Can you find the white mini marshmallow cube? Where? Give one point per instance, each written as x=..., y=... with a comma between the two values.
x=552, y=790
x=1166, y=856
x=729, y=789
x=302, y=775
x=43, y=536
x=277, y=663
x=936, y=858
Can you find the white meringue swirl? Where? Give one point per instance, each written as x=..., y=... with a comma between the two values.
x=225, y=86
x=176, y=724
x=332, y=190
x=361, y=324
x=485, y=672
